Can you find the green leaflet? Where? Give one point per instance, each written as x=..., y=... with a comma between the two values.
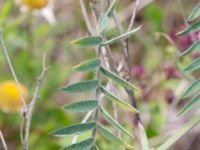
x=88, y=41
x=113, y=138
x=193, y=48
x=143, y=137
x=113, y=98
x=83, y=106
x=74, y=130
x=112, y=121
x=120, y=37
x=190, y=105
x=111, y=8
x=195, y=13
x=105, y=17
x=117, y=79
x=88, y=65
x=103, y=22
x=81, y=86
x=194, y=87
x=186, y=128
x=84, y=145
x=193, y=66
x=194, y=27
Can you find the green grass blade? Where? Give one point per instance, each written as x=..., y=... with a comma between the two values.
x=195, y=13
x=82, y=106
x=74, y=130
x=113, y=122
x=193, y=66
x=194, y=87
x=84, y=145
x=186, y=128
x=81, y=86
x=120, y=37
x=190, y=105
x=193, y=48
x=113, y=138
x=88, y=41
x=88, y=65
x=117, y=79
x=111, y=8
x=193, y=28
x=143, y=137
x=115, y=99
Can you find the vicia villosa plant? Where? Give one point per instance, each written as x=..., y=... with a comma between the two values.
x=104, y=67
x=103, y=91
x=193, y=89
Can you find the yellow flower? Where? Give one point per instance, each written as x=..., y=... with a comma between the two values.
x=10, y=97
x=35, y=4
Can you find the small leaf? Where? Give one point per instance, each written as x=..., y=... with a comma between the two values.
x=88, y=41
x=143, y=137
x=84, y=145
x=88, y=65
x=112, y=121
x=81, y=86
x=105, y=17
x=111, y=8
x=75, y=129
x=195, y=13
x=113, y=138
x=193, y=66
x=113, y=98
x=193, y=28
x=187, y=127
x=120, y=37
x=117, y=79
x=195, y=86
x=190, y=105
x=83, y=106
x=193, y=48
x=103, y=22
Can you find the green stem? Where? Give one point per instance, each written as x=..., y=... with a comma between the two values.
x=96, y=115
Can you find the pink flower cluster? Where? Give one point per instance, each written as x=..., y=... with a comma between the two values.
x=183, y=42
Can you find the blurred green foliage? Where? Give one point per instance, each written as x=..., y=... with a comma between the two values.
x=28, y=36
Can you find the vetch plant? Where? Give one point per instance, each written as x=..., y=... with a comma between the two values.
x=192, y=90
x=102, y=65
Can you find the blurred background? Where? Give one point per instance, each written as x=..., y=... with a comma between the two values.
x=30, y=33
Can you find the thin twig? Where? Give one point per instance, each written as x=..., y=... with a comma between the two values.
x=3, y=141
x=13, y=72
x=29, y=113
x=126, y=60
x=86, y=17
x=24, y=109
x=136, y=4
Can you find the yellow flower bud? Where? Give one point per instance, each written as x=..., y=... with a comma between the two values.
x=10, y=99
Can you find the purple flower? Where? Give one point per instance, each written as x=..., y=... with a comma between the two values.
x=169, y=96
x=138, y=72
x=171, y=72
x=195, y=55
